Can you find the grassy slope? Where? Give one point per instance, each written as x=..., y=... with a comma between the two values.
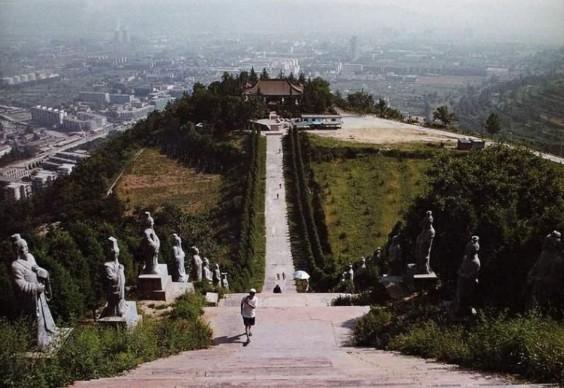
x=153, y=179
x=364, y=197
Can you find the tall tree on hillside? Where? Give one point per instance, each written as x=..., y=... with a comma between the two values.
x=253, y=75
x=381, y=107
x=317, y=96
x=264, y=75
x=301, y=79
x=443, y=115
x=492, y=124
x=361, y=102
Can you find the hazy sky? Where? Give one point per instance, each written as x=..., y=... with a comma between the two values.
x=533, y=20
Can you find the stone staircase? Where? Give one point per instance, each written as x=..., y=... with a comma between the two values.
x=298, y=341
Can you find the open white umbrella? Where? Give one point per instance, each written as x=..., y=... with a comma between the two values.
x=301, y=275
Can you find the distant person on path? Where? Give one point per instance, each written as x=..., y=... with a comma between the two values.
x=277, y=289
x=248, y=307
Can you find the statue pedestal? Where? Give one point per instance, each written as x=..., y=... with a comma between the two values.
x=393, y=286
x=129, y=321
x=161, y=287
x=420, y=281
x=153, y=286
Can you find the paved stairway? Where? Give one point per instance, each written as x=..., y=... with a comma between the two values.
x=278, y=252
x=298, y=341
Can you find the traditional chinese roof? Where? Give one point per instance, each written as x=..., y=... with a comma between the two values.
x=274, y=87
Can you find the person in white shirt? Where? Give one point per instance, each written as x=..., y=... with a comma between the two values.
x=248, y=309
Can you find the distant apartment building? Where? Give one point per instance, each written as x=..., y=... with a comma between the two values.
x=47, y=116
x=15, y=191
x=100, y=98
x=83, y=122
x=63, y=163
x=5, y=150
x=42, y=179
x=15, y=172
x=28, y=78
x=134, y=113
x=120, y=99
x=160, y=102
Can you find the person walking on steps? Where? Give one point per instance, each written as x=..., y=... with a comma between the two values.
x=248, y=307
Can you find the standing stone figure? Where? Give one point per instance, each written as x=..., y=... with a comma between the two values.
x=394, y=257
x=216, y=275
x=207, y=271
x=32, y=283
x=545, y=281
x=468, y=277
x=377, y=255
x=224, y=282
x=196, y=265
x=350, y=273
x=179, y=256
x=363, y=262
x=150, y=245
x=115, y=282
x=424, y=243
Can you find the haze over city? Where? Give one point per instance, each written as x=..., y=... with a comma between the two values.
x=537, y=21
x=289, y=193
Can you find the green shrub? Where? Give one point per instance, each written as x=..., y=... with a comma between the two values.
x=95, y=351
x=370, y=328
x=531, y=346
x=188, y=307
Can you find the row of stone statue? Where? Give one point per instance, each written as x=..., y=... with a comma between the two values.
x=544, y=280
x=200, y=269
x=33, y=287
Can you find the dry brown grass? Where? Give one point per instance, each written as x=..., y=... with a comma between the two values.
x=153, y=180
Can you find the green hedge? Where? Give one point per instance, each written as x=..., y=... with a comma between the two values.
x=305, y=217
x=93, y=351
x=252, y=244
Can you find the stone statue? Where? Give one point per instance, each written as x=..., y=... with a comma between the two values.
x=224, y=282
x=394, y=257
x=468, y=277
x=350, y=273
x=545, y=281
x=196, y=265
x=377, y=255
x=150, y=245
x=32, y=286
x=363, y=262
x=179, y=256
x=115, y=282
x=424, y=243
x=207, y=271
x=216, y=275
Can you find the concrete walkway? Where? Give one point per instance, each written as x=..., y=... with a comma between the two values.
x=292, y=345
x=279, y=265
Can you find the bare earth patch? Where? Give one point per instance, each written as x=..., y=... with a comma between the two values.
x=154, y=180
x=374, y=130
